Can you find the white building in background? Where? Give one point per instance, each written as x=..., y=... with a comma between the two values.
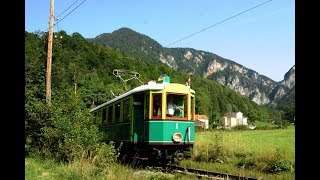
x=202, y=120
x=231, y=119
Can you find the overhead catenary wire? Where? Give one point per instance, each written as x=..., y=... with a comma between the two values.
x=220, y=22
x=68, y=8
x=67, y=14
x=70, y=12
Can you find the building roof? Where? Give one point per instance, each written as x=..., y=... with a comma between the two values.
x=201, y=116
x=232, y=114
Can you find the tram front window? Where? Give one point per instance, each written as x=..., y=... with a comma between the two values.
x=176, y=106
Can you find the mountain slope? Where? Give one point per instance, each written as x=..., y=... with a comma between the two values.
x=285, y=97
x=86, y=69
x=130, y=42
x=247, y=82
x=289, y=78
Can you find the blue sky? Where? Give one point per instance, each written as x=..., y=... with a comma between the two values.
x=262, y=39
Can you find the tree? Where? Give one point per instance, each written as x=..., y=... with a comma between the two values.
x=229, y=107
x=234, y=108
x=202, y=104
x=289, y=112
x=253, y=115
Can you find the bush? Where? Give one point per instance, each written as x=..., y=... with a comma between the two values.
x=270, y=163
x=248, y=163
x=265, y=127
x=64, y=130
x=106, y=155
x=280, y=166
x=240, y=127
x=284, y=124
x=216, y=153
x=214, y=126
x=37, y=116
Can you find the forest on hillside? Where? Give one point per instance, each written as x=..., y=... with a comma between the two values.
x=82, y=72
x=86, y=68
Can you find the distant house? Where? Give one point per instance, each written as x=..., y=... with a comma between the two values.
x=202, y=121
x=231, y=119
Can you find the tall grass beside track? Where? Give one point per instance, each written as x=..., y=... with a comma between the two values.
x=81, y=169
x=266, y=153
x=254, y=141
x=255, y=153
x=40, y=169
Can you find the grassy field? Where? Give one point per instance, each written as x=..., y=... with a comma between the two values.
x=261, y=153
x=222, y=151
x=256, y=141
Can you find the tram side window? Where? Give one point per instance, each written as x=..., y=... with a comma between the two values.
x=117, y=117
x=184, y=106
x=192, y=108
x=156, y=105
x=110, y=114
x=147, y=105
x=104, y=116
x=126, y=110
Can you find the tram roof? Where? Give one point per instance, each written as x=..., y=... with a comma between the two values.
x=149, y=86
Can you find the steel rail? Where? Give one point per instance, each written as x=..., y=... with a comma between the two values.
x=205, y=173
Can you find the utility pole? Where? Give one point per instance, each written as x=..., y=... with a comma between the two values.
x=49, y=57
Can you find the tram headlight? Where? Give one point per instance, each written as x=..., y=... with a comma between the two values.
x=177, y=137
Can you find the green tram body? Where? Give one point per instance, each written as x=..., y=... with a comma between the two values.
x=139, y=119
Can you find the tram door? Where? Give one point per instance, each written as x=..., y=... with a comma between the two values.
x=138, y=125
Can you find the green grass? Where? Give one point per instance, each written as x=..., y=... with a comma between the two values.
x=47, y=169
x=258, y=146
x=36, y=169
x=254, y=141
x=232, y=170
x=264, y=124
x=225, y=151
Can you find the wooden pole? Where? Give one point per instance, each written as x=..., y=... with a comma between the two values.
x=49, y=57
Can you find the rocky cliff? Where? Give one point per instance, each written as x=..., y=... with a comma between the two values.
x=247, y=82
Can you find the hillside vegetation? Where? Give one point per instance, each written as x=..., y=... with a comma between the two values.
x=85, y=68
x=256, y=87
x=82, y=73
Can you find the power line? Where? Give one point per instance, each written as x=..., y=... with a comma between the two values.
x=219, y=22
x=71, y=11
x=68, y=14
x=68, y=8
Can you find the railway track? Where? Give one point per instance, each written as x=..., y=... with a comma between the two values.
x=206, y=174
